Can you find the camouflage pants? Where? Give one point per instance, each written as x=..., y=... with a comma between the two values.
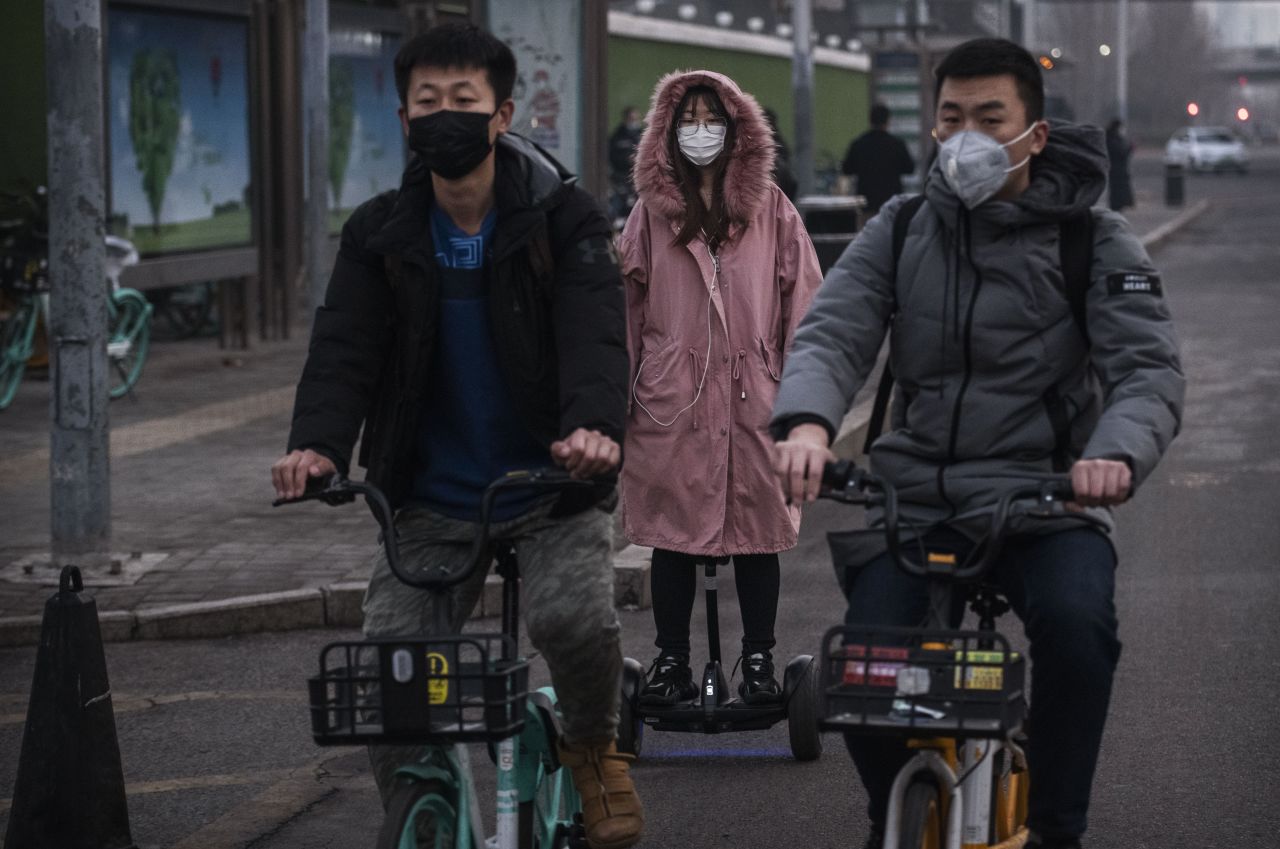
x=566, y=571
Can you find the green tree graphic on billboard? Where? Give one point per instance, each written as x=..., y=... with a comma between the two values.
x=154, y=102
x=342, y=113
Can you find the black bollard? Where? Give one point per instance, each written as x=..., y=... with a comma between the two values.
x=69, y=793
x=1172, y=184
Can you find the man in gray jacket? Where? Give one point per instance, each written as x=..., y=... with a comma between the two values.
x=1000, y=381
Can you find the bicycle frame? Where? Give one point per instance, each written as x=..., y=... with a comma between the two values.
x=128, y=328
x=526, y=762
x=963, y=767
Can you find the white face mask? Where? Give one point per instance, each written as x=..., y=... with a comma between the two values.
x=975, y=165
x=701, y=144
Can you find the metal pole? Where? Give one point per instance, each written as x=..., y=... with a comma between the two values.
x=1029, y=24
x=802, y=92
x=315, y=100
x=79, y=455
x=1122, y=64
x=1006, y=19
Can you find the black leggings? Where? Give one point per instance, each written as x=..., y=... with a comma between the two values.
x=674, y=580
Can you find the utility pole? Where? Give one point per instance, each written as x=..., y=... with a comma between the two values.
x=802, y=91
x=315, y=102
x=79, y=451
x=1122, y=63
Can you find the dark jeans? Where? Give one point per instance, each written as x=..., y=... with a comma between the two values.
x=1062, y=586
x=674, y=579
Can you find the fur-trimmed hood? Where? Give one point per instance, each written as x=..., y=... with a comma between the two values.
x=748, y=179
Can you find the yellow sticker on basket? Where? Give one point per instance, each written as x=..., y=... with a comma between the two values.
x=437, y=678
x=972, y=674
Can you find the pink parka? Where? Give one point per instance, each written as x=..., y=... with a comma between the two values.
x=698, y=476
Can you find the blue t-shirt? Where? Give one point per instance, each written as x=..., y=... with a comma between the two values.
x=471, y=431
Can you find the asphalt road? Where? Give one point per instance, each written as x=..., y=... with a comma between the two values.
x=214, y=736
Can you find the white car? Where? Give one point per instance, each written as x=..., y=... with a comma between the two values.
x=1206, y=149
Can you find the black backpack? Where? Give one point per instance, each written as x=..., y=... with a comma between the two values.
x=1075, y=257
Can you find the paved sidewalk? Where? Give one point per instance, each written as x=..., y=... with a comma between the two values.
x=190, y=456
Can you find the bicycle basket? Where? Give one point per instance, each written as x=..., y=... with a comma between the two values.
x=910, y=682
x=23, y=272
x=418, y=690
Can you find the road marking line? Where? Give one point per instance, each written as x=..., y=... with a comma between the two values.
x=128, y=703
x=195, y=782
x=153, y=434
x=274, y=807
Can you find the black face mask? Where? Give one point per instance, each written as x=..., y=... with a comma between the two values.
x=451, y=143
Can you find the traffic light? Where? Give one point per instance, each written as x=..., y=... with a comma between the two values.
x=1046, y=63
x=1242, y=114
x=1193, y=109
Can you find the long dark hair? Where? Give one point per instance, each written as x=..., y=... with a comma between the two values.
x=711, y=221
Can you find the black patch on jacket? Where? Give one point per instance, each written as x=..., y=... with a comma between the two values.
x=1134, y=283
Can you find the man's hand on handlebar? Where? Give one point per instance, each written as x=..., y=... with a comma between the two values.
x=798, y=461
x=290, y=473
x=1101, y=483
x=586, y=453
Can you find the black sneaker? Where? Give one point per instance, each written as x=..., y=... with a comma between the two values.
x=669, y=681
x=758, y=684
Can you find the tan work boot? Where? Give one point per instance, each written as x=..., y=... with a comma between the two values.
x=610, y=806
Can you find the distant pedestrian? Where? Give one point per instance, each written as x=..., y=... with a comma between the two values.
x=782, y=173
x=622, y=151
x=1119, y=150
x=718, y=271
x=879, y=160
x=623, y=141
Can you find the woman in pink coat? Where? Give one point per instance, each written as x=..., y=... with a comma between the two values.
x=719, y=271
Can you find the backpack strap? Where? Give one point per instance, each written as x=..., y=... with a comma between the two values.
x=901, y=222
x=1075, y=257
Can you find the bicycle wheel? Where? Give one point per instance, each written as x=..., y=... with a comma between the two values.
x=921, y=815
x=186, y=309
x=418, y=817
x=129, y=314
x=16, y=337
x=802, y=716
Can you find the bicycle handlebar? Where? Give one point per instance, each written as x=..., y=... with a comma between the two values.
x=336, y=489
x=843, y=481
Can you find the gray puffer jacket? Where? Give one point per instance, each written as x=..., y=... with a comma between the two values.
x=995, y=378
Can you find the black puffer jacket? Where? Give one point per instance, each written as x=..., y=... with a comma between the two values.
x=555, y=302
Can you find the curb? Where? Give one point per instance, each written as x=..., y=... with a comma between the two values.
x=332, y=606
x=1153, y=239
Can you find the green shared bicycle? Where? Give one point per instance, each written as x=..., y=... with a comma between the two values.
x=445, y=692
x=24, y=280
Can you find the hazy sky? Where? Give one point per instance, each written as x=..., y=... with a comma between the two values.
x=1246, y=24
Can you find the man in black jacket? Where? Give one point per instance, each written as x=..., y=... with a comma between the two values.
x=475, y=324
x=878, y=159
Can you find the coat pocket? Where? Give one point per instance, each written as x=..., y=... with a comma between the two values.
x=772, y=358
x=667, y=383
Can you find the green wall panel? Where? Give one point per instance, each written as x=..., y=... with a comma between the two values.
x=22, y=95
x=841, y=95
